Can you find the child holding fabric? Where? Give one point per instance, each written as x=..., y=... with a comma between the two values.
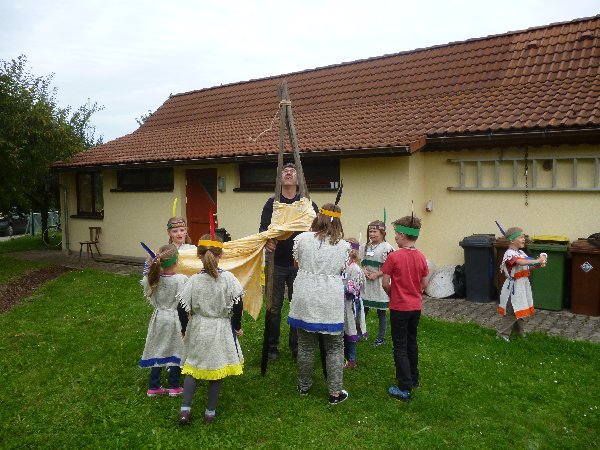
x=164, y=341
x=405, y=276
x=516, y=300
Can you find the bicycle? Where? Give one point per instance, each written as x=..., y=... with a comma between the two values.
x=52, y=236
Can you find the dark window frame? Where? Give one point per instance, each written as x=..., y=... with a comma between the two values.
x=97, y=180
x=319, y=174
x=157, y=179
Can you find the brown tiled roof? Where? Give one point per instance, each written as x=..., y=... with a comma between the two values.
x=543, y=78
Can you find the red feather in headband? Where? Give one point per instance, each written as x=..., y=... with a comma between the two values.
x=211, y=221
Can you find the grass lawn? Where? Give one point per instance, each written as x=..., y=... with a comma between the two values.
x=69, y=358
x=22, y=243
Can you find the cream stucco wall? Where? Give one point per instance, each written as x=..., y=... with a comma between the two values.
x=457, y=214
x=370, y=184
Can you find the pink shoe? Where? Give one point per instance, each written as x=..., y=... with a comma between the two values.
x=174, y=392
x=350, y=364
x=154, y=392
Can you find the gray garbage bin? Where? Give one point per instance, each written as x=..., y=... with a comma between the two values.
x=479, y=267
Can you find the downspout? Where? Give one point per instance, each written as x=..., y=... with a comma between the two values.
x=65, y=219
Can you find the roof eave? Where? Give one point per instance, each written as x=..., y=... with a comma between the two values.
x=403, y=150
x=517, y=138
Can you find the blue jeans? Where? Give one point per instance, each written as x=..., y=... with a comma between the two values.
x=174, y=375
x=350, y=350
x=406, y=351
x=282, y=276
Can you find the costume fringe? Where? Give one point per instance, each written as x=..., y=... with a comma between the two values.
x=214, y=374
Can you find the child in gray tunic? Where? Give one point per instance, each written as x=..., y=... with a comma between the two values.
x=213, y=298
x=318, y=305
x=164, y=341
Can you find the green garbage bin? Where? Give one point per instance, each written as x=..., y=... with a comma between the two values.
x=548, y=283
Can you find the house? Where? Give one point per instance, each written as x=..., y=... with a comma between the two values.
x=504, y=127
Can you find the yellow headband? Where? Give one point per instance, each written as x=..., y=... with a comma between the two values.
x=326, y=212
x=207, y=243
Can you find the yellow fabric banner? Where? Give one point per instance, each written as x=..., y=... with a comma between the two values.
x=244, y=257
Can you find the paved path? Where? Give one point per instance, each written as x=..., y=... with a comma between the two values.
x=554, y=323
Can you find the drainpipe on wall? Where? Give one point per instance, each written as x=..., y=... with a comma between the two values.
x=65, y=220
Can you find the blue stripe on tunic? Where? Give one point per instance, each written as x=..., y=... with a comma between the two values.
x=153, y=361
x=316, y=327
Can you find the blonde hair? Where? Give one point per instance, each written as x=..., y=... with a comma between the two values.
x=325, y=226
x=177, y=219
x=164, y=253
x=210, y=255
x=354, y=253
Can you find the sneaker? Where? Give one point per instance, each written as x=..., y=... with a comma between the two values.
x=504, y=338
x=209, y=418
x=185, y=417
x=343, y=395
x=399, y=394
x=302, y=392
x=154, y=392
x=174, y=392
x=350, y=364
x=377, y=342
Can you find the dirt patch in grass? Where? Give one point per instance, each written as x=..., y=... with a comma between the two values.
x=22, y=287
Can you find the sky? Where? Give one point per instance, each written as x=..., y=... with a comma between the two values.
x=130, y=55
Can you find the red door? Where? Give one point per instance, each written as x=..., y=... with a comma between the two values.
x=201, y=192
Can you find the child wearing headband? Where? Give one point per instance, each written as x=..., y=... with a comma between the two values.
x=354, y=314
x=213, y=299
x=178, y=233
x=373, y=255
x=164, y=341
x=516, y=301
x=405, y=275
x=317, y=310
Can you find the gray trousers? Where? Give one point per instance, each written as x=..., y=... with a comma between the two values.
x=334, y=348
x=510, y=324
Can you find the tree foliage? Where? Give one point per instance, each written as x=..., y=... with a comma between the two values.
x=36, y=132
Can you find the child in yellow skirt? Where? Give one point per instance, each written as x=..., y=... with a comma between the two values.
x=213, y=298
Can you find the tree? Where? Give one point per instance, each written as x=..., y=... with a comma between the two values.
x=35, y=133
x=142, y=119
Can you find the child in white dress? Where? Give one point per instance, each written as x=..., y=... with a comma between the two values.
x=373, y=255
x=164, y=341
x=318, y=305
x=516, y=301
x=213, y=298
x=354, y=318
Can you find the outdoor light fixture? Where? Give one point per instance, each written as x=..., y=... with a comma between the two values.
x=429, y=206
x=221, y=184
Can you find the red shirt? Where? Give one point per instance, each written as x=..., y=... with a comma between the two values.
x=406, y=268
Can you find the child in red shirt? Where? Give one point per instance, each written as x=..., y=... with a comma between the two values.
x=405, y=275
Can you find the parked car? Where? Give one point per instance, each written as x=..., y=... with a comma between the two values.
x=13, y=223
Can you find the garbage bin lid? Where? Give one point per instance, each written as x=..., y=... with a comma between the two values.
x=548, y=247
x=550, y=239
x=477, y=240
x=583, y=246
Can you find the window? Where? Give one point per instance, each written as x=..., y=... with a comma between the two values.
x=90, y=201
x=320, y=175
x=145, y=179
